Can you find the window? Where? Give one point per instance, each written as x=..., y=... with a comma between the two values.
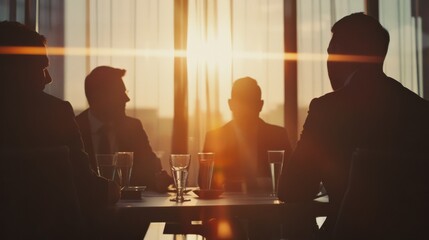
x=226, y=40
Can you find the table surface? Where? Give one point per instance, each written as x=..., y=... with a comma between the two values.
x=153, y=199
x=157, y=207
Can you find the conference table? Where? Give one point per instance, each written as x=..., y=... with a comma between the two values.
x=157, y=207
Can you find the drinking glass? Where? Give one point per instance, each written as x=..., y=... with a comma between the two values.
x=275, y=159
x=206, y=163
x=124, y=166
x=179, y=168
x=106, y=165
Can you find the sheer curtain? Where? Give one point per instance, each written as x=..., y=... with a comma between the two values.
x=209, y=68
x=404, y=58
x=315, y=19
x=228, y=40
x=133, y=35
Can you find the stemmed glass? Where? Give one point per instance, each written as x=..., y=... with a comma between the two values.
x=179, y=168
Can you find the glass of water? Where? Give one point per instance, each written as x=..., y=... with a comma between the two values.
x=124, y=166
x=206, y=163
x=106, y=164
x=275, y=159
x=179, y=168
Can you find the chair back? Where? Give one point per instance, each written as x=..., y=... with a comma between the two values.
x=387, y=196
x=38, y=199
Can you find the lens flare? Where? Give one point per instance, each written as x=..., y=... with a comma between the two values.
x=160, y=53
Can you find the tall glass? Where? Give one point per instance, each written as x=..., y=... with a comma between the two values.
x=106, y=165
x=275, y=159
x=124, y=166
x=179, y=168
x=206, y=163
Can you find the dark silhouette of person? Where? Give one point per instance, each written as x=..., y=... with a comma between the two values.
x=106, y=121
x=32, y=118
x=107, y=97
x=240, y=148
x=367, y=109
x=241, y=145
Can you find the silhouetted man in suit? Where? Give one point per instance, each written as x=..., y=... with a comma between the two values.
x=105, y=118
x=241, y=146
x=34, y=119
x=107, y=97
x=367, y=109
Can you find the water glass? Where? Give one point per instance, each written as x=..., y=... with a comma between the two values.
x=275, y=159
x=179, y=168
x=124, y=166
x=206, y=163
x=106, y=165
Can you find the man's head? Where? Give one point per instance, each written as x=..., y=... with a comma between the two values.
x=23, y=59
x=245, y=102
x=358, y=40
x=106, y=93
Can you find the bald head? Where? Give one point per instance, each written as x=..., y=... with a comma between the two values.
x=246, y=89
x=245, y=103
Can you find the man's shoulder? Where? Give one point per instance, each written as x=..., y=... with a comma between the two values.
x=82, y=116
x=132, y=122
x=226, y=128
x=130, y=125
x=129, y=119
x=330, y=102
x=407, y=93
x=330, y=97
x=220, y=135
x=219, y=139
x=270, y=125
x=272, y=130
x=49, y=99
x=53, y=103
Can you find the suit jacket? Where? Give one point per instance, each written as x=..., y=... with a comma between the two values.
x=39, y=120
x=372, y=111
x=130, y=137
x=223, y=142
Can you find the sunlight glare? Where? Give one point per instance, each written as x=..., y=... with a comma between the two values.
x=224, y=230
x=211, y=54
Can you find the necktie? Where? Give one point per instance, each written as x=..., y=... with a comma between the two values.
x=104, y=143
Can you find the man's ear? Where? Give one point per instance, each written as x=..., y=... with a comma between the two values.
x=230, y=104
x=261, y=105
